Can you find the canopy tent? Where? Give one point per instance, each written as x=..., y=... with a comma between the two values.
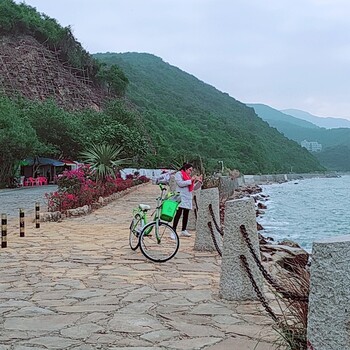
x=68, y=162
x=41, y=167
x=42, y=161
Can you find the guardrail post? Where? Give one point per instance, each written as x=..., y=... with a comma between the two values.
x=3, y=230
x=21, y=222
x=234, y=281
x=329, y=300
x=37, y=215
x=203, y=240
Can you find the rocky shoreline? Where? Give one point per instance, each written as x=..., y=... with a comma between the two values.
x=280, y=258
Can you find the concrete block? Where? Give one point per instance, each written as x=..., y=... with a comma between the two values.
x=234, y=281
x=329, y=301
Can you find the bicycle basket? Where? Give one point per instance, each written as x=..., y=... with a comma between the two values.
x=168, y=210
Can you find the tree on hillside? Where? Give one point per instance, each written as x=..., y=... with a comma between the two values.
x=18, y=140
x=114, y=79
x=63, y=138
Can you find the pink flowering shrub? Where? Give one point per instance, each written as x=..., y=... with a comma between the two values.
x=79, y=187
x=61, y=201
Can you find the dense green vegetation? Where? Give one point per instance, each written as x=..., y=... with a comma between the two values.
x=335, y=158
x=30, y=128
x=335, y=142
x=186, y=117
x=22, y=19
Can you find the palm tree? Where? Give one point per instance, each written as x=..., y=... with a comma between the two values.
x=104, y=159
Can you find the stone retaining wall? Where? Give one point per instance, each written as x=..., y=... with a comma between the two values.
x=279, y=178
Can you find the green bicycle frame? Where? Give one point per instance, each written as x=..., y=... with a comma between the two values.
x=155, y=214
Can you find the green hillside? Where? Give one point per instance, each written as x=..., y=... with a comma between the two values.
x=187, y=118
x=335, y=142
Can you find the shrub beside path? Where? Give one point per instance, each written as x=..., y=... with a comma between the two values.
x=76, y=284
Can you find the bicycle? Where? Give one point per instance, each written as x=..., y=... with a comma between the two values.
x=157, y=240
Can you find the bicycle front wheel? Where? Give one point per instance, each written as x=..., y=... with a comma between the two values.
x=158, y=241
x=135, y=231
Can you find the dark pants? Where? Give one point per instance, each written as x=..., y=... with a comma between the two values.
x=184, y=218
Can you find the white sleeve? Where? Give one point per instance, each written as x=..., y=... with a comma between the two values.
x=180, y=182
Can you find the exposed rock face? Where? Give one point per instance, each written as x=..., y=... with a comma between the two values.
x=285, y=256
x=30, y=69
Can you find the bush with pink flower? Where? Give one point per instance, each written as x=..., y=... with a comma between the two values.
x=80, y=187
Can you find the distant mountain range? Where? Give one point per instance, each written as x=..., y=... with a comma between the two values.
x=335, y=154
x=327, y=122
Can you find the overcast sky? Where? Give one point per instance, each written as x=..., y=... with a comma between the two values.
x=283, y=53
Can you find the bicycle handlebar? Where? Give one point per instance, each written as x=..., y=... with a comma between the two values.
x=162, y=187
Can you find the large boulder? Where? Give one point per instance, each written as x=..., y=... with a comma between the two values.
x=284, y=257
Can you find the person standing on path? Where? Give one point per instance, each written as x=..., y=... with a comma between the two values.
x=184, y=185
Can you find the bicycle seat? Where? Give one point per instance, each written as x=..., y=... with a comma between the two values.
x=144, y=207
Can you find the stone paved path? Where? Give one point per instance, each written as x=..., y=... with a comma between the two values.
x=76, y=284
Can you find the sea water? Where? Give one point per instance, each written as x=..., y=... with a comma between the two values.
x=307, y=210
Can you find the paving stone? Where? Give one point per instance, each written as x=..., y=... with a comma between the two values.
x=196, y=330
x=158, y=336
x=197, y=295
x=81, y=331
x=23, y=347
x=104, y=300
x=37, y=323
x=12, y=336
x=29, y=311
x=4, y=347
x=16, y=303
x=210, y=309
x=190, y=344
x=94, y=317
x=189, y=318
x=137, y=348
x=84, y=347
x=252, y=331
x=241, y=343
x=174, y=309
x=134, y=323
x=10, y=294
x=53, y=342
x=58, y=302
x=227, y=319
x=179, y=300
x=87, y=293
x=136, y=308
x=105, y=341
x=82, y=308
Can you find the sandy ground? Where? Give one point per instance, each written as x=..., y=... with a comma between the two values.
x=76, y=284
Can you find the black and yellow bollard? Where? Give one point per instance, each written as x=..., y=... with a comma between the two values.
x=37, y=215
x=3, y=230
x=21, y=222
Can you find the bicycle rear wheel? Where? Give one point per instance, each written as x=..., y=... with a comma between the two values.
x=135, y=231
x=159, y=247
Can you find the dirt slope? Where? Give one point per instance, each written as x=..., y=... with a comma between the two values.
x=29, y=69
